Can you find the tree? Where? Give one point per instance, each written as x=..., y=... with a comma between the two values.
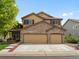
x=8, y=13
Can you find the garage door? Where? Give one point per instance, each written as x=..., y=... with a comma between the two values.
x=55, y=38
x=35, y=38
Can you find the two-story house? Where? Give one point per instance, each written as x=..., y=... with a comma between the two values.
x=41, y=28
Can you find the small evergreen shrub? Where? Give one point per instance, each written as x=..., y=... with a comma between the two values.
x=71, y=39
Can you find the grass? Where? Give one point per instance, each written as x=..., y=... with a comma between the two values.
x=3, y=46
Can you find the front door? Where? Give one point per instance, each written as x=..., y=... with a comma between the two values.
x=16, y=35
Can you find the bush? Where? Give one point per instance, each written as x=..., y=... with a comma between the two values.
x=3, y=42
x=9, y=40
x=71, y=39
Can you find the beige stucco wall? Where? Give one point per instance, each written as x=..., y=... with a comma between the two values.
x=35, y=38
x=39, y=28
x=55, y=30
x=55, y=39
x=48, y=21
x=45, y=16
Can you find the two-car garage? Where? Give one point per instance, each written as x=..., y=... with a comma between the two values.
x=43, y=38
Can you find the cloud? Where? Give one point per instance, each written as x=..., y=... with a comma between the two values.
x=71, y=13
x=64, y=14
x=67, y=14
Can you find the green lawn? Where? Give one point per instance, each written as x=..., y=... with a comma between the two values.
x=2, y=46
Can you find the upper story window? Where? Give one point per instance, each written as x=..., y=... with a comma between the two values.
x=28, y=22
x=56, y=22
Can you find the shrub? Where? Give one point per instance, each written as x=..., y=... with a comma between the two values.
x=1, y=40
x=71, y=39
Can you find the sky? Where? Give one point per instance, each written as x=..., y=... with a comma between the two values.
x=66, y=9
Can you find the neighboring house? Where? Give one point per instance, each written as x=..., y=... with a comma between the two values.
x=72, y=26
x=41, y=28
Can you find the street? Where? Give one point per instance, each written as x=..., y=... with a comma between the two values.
x=39, y=57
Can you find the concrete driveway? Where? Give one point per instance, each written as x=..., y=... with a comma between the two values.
x=43, y=50
x=44, y=47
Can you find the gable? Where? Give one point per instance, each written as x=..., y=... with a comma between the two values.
x=33, y=17
x=56, y=29
x=44, y=15
x=72, y=27
x=39, y=28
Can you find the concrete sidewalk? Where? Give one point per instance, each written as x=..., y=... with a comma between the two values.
x=42, y=53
